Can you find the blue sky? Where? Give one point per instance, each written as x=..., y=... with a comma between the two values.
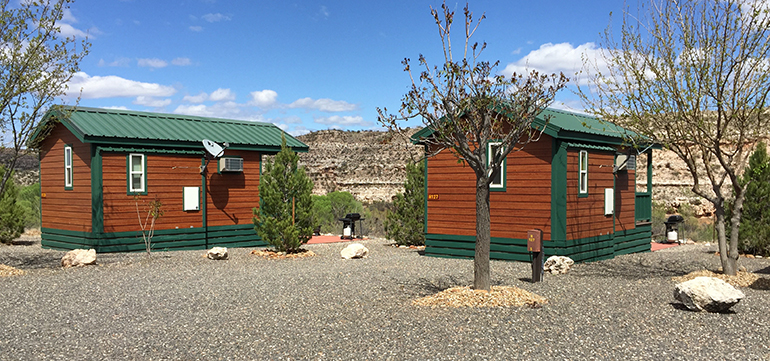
x=305, y=65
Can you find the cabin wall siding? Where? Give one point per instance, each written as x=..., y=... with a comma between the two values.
x=526, y=203
x=65, y=209
x=231, y=197
x=585, y=214
x=167, y=175
x=625, y=198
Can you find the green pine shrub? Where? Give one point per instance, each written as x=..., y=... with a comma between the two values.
x=405, y=224
x=284, y=217
x=754, y=235
x=12, y=216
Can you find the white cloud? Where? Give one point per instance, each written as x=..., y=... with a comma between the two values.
x=196, y=29
x=212, y=18
x=181, y=61
x=228, y=110
x=264, y=98
x=324, y=105
x=200, y=98
x=96, y=87
x=152, y=63
x=221, y=94
x=324, y=12
x=298, y=130
x=122, y=62
x=70, y=31
x=151, y=102
x=554, y=58
x=347, y=120
x=68, y=17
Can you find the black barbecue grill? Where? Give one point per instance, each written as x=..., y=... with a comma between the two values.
x=349, y=226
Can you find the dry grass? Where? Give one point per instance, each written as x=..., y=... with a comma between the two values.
x=742, y=279
x=270, y=254
x=6, y=271
x=500, y=296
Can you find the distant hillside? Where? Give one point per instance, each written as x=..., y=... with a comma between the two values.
x=27, y=167
x=371, y=165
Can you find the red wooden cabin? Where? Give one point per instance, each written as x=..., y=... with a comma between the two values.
x=97, y=164
x=577, y=184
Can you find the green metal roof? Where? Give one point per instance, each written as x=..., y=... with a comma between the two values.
x=124, y=127
x=568, y=126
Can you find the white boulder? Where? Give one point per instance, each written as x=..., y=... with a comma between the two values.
x=78, y=258
x=355, y=250
x=217, y=253
x=707, y=294
x=558, y=264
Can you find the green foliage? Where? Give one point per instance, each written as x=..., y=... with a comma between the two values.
x=284, y=217
x=692, y=227
x=29, y=201
x=11, y=215
x=754, y=235
x=36, y=63
x=328, y=209
x=376, y=214
x=405, y=224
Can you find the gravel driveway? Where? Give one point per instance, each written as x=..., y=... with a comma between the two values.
x=182, y=306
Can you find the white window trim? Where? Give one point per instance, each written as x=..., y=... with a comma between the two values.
x=583, y=185
x=68, y=174
x=493, y=185
x=141, y=172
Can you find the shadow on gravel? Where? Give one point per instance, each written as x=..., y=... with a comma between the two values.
x=426, y=286
x=32, y=261
x=635, y=269
x=765, y=271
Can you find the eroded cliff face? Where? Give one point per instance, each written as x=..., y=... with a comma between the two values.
x=369, y=165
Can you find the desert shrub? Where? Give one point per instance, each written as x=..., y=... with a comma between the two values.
x=376, y=214
x=754, y=235
x=328, y=209
x=405, y=223
x=12, y=216
x=692, y=228
x=284, y=217
x=29, y=201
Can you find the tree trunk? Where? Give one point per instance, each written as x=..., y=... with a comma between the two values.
x=735, y=223
x=481, y=274
x=729, y=264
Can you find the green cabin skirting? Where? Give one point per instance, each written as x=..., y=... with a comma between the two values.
x=509, y=249
x=164, y=240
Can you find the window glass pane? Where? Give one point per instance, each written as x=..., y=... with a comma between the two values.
x=67, y=156
x=136, y=182
x=68, y=177
x=136, y=163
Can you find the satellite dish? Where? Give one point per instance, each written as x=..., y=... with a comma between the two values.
x=213, y=148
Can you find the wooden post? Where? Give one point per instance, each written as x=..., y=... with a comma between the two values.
x=535, y=245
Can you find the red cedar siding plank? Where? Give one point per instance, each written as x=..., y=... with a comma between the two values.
x=166, y=176
x=524, y=205
x=231, y=197
x=65, y=209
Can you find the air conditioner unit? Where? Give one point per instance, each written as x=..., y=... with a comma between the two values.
x=230, y=165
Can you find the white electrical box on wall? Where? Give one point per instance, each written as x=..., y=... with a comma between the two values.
x=192, y=198
x=609, y=201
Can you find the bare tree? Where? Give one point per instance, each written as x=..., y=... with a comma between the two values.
x=468, y=105
x=36, y=62
x=693, y=76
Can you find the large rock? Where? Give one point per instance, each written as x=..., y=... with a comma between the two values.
x=355, y=250
x=558, y=264
x=78, y=258
x=217, y=253
x=707, y=294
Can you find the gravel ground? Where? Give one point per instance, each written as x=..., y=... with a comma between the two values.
x=182, y=306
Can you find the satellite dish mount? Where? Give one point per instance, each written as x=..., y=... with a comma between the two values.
x=213, y=149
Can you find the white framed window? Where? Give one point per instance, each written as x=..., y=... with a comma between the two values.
x=67, y=167
x=583, y=174
x=137, y=174
x=498, y=180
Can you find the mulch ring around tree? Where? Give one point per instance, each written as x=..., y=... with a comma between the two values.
x=273, y=254
x=6, y=271
x=742, y=279
x=499, y=296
